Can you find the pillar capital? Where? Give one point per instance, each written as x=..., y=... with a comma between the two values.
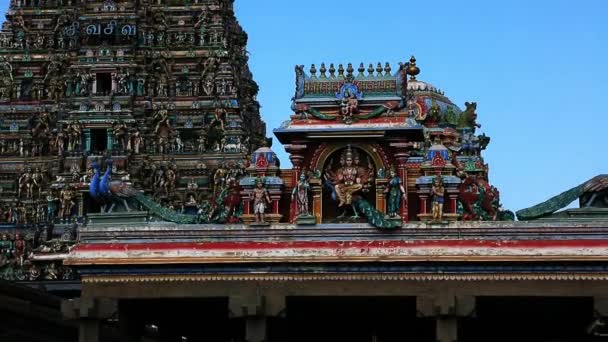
x=89, y=308
x=445, y=306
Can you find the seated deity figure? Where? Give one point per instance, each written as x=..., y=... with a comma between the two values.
x=349, y=179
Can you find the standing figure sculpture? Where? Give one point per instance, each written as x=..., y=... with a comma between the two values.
x=261, y=199
x=300, y=194
x=437, y=198
x=396, y=192
x=66, y=198
x=120, y=131
x=74, y=135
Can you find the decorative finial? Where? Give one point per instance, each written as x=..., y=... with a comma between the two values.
x=349, y=70
x=370, y=70
x=323, y=70
x=413, y=70
x=313, y=71
x=379, y=69
x=340, y=71
x=332, y=71
x=387, y=69
x=361, y=70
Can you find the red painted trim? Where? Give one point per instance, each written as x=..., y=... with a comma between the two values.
x=319, y=245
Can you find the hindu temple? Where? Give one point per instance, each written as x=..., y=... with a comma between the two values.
x=141, y=199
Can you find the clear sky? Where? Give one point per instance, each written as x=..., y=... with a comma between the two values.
x=537, y=69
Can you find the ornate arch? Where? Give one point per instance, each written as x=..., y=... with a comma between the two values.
x=328, y=150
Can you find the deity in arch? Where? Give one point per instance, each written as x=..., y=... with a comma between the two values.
x=349, y=179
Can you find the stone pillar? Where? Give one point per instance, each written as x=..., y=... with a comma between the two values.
x=255, y=329
x=600, y=306
x=446, y=309
x=256, y=309
x=447, y=330
x=89, y=312
x=89, y=331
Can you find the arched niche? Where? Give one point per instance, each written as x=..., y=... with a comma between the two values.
x=332, y=164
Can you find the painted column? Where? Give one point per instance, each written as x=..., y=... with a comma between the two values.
x=297, y=159
x=317, y=199
x=423, y=199
x=453, y=203
x=404, y=212
x=402, y=155
x=381, y=184
x=246, y=203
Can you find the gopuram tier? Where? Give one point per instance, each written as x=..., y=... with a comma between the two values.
x=102, y=101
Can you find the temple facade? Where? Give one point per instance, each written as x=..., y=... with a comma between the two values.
x=140, y=196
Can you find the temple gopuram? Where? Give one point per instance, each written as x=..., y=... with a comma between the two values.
x=141, y=200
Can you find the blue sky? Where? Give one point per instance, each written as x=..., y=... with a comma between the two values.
x=537, y=69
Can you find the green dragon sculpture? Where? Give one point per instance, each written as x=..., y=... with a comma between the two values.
x=593, y=193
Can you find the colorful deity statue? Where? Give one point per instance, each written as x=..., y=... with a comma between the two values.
x=300, y=195
x=437, y=198
x=395, y=191
x=261, y=199
x=349, y=179
x=349, y=106
x=66, y=197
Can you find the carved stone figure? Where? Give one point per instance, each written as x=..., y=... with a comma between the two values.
x=74, y=135
x=349, y=106
x=209, y=86
x=66, y=197
x=179, y=144
x=261, y=199
x=37, y=180
x=6, y=70
x=437, y=198
x=136, y=142
x=395, y=193
x=170, y=180
x=26, y=182
x=300, y=194
x=120, y=131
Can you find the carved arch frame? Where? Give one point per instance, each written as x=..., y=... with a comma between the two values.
x=374, y=151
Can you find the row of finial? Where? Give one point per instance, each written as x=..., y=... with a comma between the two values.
x=379, y=71
x=411, y=69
